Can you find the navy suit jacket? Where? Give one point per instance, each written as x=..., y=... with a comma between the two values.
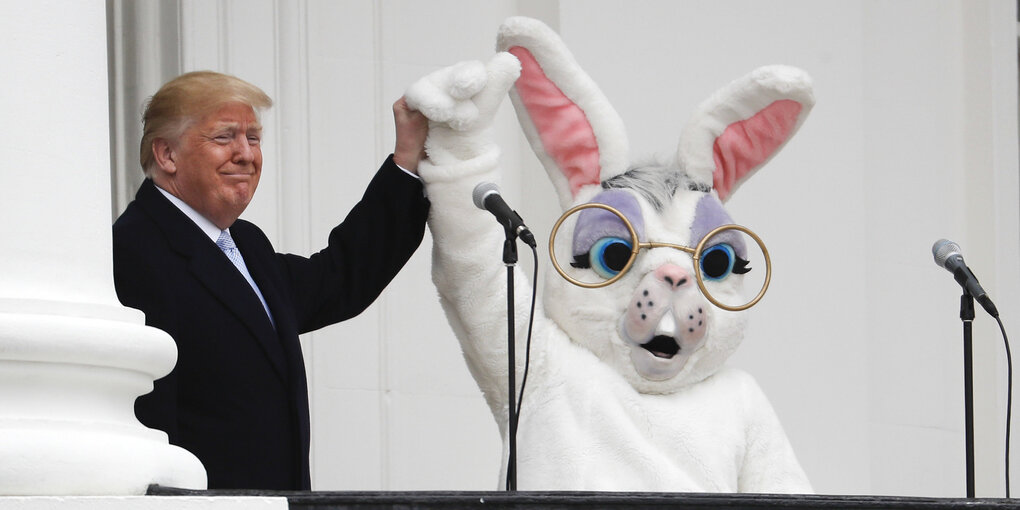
x=238, y=397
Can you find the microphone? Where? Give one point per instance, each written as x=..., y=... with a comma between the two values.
x=486, y=196
x=947, y=254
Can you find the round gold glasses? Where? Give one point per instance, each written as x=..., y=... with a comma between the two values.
x=728, y=260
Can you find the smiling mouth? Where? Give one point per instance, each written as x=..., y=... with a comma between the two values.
x=662, y=346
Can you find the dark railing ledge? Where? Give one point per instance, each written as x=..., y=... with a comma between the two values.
x=428, y=500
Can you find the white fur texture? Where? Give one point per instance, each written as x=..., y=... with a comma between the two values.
x=592, y=419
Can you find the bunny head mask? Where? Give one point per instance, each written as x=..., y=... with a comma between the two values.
x=654, y=324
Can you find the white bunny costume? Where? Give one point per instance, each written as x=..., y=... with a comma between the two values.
x=626, y=390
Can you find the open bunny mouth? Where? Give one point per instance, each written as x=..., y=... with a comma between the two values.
x=662, y=346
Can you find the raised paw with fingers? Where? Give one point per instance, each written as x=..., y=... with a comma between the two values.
x=460, y=102
x=465, y=96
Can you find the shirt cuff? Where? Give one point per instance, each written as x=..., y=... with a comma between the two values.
x=408, y=172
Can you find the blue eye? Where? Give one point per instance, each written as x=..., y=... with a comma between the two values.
x=609, y=255
x=719, y=261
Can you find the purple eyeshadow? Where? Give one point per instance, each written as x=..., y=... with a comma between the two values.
x=594, y=224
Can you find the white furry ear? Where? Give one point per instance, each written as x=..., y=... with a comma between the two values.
x=574, y=131
x=742, y=126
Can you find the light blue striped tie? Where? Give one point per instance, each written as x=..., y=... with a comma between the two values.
x=226, y=243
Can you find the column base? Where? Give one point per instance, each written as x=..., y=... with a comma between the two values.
x=68, y=381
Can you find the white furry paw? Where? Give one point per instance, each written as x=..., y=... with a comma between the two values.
x=465, y=96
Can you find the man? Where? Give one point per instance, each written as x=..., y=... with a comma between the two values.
x=238, y=396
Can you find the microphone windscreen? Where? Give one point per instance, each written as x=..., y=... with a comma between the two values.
x=482, y=190
x=943, y=249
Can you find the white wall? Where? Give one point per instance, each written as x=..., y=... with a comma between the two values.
x=914, y=138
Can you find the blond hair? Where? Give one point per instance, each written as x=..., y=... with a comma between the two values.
x=185, y=100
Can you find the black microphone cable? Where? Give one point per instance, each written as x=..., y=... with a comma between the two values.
x=527, y=351
x=1009, y=394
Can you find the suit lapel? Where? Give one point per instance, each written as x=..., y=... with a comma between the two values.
x=215, y=272
x=262, y=267
x=224, y=281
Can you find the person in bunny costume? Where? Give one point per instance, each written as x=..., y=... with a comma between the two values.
x=627, y=389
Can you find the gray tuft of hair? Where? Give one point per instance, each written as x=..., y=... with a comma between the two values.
x=655, y=181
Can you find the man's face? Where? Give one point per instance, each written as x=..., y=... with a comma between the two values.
x=218, y=161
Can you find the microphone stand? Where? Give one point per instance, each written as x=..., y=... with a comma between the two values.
x=510, y=259
x=967, y=316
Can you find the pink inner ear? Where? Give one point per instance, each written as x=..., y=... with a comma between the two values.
x=747, y=144
x=562, y=126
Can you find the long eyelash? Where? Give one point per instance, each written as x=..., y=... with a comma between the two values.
x=740, y=266
x=582, y=261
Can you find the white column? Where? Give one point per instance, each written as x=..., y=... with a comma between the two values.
x=72, y=359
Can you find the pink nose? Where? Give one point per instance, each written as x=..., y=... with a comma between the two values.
x=674, y=275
